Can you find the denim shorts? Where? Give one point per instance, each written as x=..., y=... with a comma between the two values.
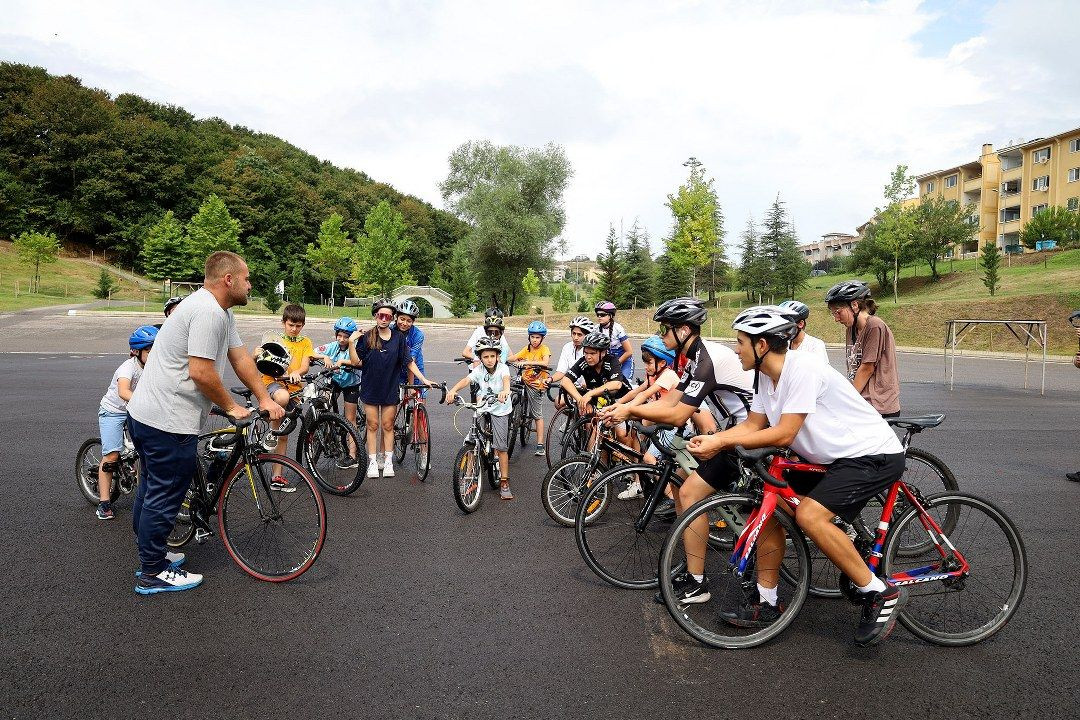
x=111, y=429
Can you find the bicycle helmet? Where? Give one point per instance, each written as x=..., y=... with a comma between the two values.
x=537, y=328
x=408, y=307
x=605, y=306
x=273, y=359
x=491, y=321
x=799, y=310
x=493, y=311
x=767, y=320
x=345, y=324
x=487, y=343
x=655, y=347
x=381, y=304
x=681, y=311
x=171, y=303
x=143, y=337
x=597, y=341
x=1074, y=319
x=847, y=291
x=583, y=323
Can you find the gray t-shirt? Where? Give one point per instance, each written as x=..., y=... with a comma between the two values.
x=166, y=397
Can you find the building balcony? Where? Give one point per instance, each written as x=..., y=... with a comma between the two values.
x=1009, y=226
x=1012, y=173
x=973, y=185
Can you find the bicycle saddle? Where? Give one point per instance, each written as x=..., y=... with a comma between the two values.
x=917, y=423
x=241, y=391
x=650, y=430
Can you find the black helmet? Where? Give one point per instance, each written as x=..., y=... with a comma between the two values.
x=847, y=291
x=382, y=304
x=493, y=311
x=171, y=303
x=797, y=309
x=494, y=320
x=486, y=343
x=597, y=341
x=681, y=311
x=1074, y=319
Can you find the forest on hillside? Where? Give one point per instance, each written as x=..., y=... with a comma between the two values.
x=102, y=171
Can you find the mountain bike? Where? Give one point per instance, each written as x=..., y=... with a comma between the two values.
x=411, y=427
x=125, y=477
x=476, y=460
x=271, y=535
x=963, y=585
x=521, y=422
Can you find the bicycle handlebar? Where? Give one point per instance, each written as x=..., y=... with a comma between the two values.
x=433, y=386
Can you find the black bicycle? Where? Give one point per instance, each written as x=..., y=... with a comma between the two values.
x=476, y=461
x=521, y=422
x=125, y=476
x=559, y=425
x=271, y=535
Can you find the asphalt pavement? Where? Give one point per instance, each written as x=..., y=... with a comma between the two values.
x=417, y=611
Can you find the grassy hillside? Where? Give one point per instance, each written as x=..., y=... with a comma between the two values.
x=69, y=280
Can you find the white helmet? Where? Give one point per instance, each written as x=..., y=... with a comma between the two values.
x=770, y=320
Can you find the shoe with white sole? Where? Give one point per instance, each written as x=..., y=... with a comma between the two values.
x=171, y=579
x=632, y=491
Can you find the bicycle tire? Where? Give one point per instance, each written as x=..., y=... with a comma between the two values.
x=251, y=519
x=323, y=444
x=726, y=586
x=928, y=473
x=422, y=446
x=513, y=423
x=87, y=461
x=468, y=483
x=556, y=429
x=401, y=434
x=563, y=486
x=605, y=532
x=183, y=529
x=576, y=440
x=932, y=607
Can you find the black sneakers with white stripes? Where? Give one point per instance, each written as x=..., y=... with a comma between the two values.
x=879, y=613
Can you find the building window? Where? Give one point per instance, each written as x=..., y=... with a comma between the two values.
x=930, y=186
x=1073, y=203
x=1035, y=210
x=1010, y=187
x=950, y=181
x=1010, y=213
x=1074, y=145
x=1041, y=183
x=1074, y=174
x=1041, y=155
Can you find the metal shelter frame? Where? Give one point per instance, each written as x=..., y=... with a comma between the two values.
x=1023, y=330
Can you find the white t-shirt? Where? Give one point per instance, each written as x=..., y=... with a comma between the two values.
x=166, y=397
x=814, y=346
x=130, y=369
x=480, y=332
x=492, y=383
x=839, y=422
x=568, y=357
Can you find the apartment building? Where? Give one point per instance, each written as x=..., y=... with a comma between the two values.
x=1006, y=188
x=831, y=245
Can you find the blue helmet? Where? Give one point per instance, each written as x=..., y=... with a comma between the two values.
x=655, y=347
x=143, y=337
x=345, y=324
x=537, y=328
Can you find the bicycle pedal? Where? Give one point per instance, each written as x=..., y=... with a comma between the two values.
x=201, y=535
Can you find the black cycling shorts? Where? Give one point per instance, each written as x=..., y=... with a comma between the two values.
x=720, y=471
x=849, y=483
x=350, y=394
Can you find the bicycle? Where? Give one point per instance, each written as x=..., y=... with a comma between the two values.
x=411, y=427
x=476, y=460
x=521, y=422
x=88, y=460
x=251, y=517
x=983, y=553
x=559, y=425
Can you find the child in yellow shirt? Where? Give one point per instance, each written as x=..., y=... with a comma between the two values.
x=536, y=356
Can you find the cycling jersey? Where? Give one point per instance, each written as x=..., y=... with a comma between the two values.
x=714, y=371
x=618, y=336
x=342, y=377
x=414, y=340
x=603, y=373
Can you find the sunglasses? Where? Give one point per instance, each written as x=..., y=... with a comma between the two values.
x=384, y=316
x=603, y=314
x=663, y=330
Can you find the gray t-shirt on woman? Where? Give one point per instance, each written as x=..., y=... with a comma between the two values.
x=166, y=397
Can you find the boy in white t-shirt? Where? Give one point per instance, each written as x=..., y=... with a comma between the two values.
x=806, y=405
x=112, y=413
x=804, y=341
x=571, y=351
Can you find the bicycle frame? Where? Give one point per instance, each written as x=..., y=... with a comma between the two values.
x=776, y=489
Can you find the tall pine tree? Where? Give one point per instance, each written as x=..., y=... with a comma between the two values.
x=609, y=263
x=638, y=271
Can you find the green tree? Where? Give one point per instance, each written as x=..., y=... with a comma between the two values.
x=609, y=262
x=294, y=288
x=895, y=225
x=788, y=271
x=264, y=267
x=379, y=263
x=332, y=257
x=940, y=225
x=530, y=286
x=165, y=254
x=696, y=241
x=991, y=263
x=513, y=199
x=754, y=268
x=37, y=249
x=869, y=256
x=437, y=280
x=1053, y=223
x=211, y=229
x=637, y=269
x=672, y=280
x=462, y=281
x=562, y=297
x=106, y=284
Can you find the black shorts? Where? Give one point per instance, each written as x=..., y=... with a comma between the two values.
x=849, y=483
x=350, y=394
x=720, y=471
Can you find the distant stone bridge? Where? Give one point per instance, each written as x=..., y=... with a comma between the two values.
x=438, y=299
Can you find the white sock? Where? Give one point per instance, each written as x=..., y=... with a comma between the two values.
x=876, y=585
x=373, y=460
x=698, y=578
x=388, y=457
x=768, y=595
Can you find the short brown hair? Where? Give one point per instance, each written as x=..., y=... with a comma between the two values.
x=294, y=313
x=221, y=263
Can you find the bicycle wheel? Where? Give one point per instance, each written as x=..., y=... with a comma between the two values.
x=966, y=609
x=606, y=532
x=401, y=434
x=576, y=439
x=556, y=430
x=271, y=535
x=468, y=483
x=930, y=475
x=564, y=485
x=728, y=588
x=326, y=449
x=421, y=442
x=514, y=423
x=183, y=529
x=87, y=461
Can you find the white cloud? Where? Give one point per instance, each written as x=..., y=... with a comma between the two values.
x=814, y=100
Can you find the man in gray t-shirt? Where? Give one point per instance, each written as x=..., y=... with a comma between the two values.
x=181, y=381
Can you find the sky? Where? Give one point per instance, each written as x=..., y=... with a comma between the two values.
x=814, y=102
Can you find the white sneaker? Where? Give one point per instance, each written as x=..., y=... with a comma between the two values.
x=632, y=491
x=171, y=579
x=388, y=466
x=175, y=559
x=372, y=468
